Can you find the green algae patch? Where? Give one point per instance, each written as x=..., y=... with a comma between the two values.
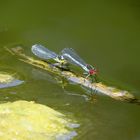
x=23, y=120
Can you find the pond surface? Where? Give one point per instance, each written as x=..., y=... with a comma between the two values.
x=104, y=33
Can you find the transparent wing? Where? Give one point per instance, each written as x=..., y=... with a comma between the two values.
x=72, y=57
x=42, y=52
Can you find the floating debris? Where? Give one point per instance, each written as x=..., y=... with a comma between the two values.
x=112, y=92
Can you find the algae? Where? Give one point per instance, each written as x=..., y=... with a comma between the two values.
x=23, y=120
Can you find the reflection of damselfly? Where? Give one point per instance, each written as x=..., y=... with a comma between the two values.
x=68, y=55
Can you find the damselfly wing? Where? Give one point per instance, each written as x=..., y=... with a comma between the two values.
x=72, y=57
x=43, y=53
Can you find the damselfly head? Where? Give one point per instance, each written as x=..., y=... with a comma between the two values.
x=92, y=70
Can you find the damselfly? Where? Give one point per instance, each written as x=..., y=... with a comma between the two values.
x=72, y=57
x=68, y=55
x=45, y=54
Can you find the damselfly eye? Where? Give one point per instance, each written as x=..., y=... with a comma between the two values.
x=92, y=71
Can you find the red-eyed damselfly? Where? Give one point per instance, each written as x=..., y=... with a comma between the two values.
x=68, y=55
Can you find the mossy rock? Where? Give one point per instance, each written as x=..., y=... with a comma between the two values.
x=23, y=120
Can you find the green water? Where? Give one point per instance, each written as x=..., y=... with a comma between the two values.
x=105, y=34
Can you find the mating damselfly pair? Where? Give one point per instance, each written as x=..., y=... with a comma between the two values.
x=67, y=55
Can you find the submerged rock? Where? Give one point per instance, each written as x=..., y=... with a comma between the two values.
x=9, y=80
x=23, y=120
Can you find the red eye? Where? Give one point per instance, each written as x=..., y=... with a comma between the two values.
x=92, y=72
